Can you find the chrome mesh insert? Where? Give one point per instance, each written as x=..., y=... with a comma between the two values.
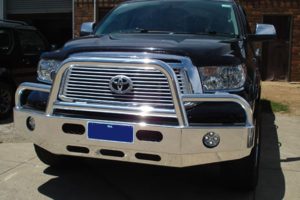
x=91, y=85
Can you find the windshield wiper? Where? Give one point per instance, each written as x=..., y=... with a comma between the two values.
x=222, y=34
x=143, y=30
x=215, y=33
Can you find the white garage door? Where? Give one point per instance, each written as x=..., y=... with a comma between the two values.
x=38, y=6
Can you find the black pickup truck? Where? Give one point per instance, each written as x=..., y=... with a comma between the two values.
x=172, y=83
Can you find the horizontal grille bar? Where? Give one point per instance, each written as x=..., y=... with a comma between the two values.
x=113, y=73
x=97, y=77
x=94, y=97
x=104, y=86
x=133, y=80
x=96, y=91
x=116, y=70
x=136, y=88
x=129, y=95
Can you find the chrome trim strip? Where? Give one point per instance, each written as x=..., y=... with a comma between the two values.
x=116, y=110
x=29, y=86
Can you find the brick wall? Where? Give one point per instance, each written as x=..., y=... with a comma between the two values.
x=108, y=3
x=83, y=12
x=256, y=9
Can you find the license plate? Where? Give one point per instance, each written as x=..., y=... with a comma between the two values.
x=110, y=132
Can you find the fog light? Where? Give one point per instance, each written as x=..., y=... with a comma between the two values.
x=30, y=122
x=211, y=140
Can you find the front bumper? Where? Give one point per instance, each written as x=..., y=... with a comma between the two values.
x=181, y=145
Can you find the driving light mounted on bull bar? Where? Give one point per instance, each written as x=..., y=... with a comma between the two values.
x=211, y=140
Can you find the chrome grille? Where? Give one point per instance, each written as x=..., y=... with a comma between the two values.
x=91, y=85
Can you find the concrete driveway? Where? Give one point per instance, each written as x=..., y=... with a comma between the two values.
x=23, y=176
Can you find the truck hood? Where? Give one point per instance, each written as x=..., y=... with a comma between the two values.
x=203, y=50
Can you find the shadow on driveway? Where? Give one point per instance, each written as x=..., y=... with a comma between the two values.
x=271, y=183
x=98, y=179
x=127, y=181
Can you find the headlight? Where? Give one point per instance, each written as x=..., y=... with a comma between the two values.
x=47, y=70
x=222, y=78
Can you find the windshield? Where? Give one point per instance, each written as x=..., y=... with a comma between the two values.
x=172, y=17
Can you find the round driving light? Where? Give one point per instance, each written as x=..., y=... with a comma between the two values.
x=30, y=122
x=211, y=140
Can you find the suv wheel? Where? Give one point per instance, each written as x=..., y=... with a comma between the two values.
x=243, y=173
x=6, y=100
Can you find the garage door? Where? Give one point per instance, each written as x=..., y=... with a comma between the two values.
x=38, y=6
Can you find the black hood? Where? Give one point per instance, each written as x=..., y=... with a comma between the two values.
x=203, y=50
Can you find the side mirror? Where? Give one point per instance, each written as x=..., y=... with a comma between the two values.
x=264, y=32
x=87, y=28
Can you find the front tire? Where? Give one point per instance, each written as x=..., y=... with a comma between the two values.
x=244, y=173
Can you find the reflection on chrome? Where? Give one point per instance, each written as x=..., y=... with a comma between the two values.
x=145, y=110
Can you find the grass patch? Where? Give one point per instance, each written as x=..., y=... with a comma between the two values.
x=275, y=106
x=279, y=107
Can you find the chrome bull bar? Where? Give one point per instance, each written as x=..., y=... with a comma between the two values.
x=178, y=98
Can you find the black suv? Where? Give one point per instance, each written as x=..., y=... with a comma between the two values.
x=172, y=83
x=20, y=49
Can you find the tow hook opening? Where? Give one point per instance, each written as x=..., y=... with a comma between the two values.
x=151, y=136
x=78, y=149
x=113, y=153
x=150, y=157
x=75, y=129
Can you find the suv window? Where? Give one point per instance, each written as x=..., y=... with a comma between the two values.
x=5, y=41
x=31, y=42
x=192, y=17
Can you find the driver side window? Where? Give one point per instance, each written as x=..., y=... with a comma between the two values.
x=5, y=41
x=31, y=42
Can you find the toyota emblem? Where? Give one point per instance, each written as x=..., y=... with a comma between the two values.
x=120, y=84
